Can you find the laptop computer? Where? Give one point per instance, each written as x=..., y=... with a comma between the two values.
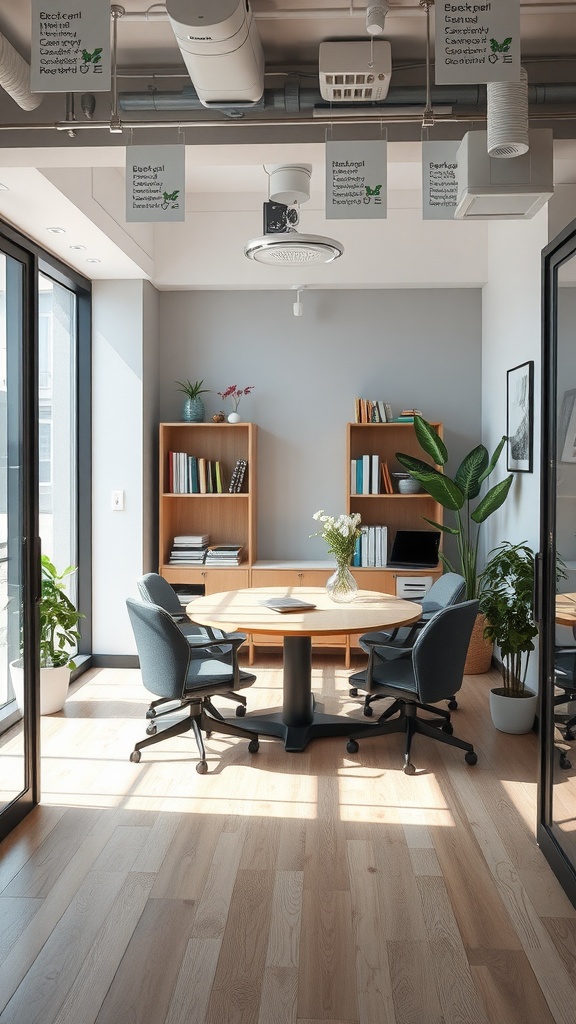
x=415, y=549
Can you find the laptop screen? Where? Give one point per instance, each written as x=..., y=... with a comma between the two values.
x=415, y=548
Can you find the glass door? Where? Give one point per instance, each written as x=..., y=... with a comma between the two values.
x=557, y=594
x=19, y=546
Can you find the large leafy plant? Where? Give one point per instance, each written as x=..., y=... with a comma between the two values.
x=457, y=494
x=506, y=598
x=58, y=617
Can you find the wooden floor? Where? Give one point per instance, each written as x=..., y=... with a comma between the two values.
x=280, y=888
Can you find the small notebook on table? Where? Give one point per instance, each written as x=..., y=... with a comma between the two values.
x=287, y=604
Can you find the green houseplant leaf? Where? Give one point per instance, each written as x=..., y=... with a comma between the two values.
x=456, y=494
x=58, y=617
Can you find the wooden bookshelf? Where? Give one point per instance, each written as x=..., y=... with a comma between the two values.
x=226, y=518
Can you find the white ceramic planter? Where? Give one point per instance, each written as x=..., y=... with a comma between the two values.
x=54, y=683
x=234, y=417
x=513, y=714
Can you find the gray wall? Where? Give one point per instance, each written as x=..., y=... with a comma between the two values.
x=409, y=347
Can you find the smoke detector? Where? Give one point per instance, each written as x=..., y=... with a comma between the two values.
x=355, y=72
x=289, y=185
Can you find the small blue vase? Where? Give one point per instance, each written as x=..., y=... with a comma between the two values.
x=193, y=410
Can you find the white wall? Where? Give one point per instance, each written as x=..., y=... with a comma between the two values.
x=511, y=335
x=118, y=463
x=412, y=347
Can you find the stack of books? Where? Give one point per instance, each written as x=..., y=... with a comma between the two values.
x=371, y=547
x=188, y=474
x=224, y=554
x=189, y=550
x=238, y=474
x=365, y=475
x=407, y=416
x=368, y=410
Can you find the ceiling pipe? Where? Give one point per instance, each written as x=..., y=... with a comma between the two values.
x=330, y=13
x=15, y=77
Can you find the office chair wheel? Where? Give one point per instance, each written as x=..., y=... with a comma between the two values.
x=453, y=704
x=447, y=727
x=151, y=729
x=409, y=769
x=565, y=764
x=240, y=711
x=135, y=756
x=151, y=713
x=352, y=747
x=470, y=757
x=202, y=767
x=368, y=710
x=353, y=691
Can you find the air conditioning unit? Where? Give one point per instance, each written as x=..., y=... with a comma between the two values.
x=221, y=48
x=345, y=73
x=492, y=189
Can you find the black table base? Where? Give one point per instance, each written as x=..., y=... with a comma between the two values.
x=299, y=722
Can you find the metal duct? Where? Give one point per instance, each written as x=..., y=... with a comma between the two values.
x=294, y=99
x=15, y=77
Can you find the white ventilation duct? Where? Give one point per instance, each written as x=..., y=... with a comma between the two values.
x=507, y=117
x=491, y=189
x=15, y=77
x=221, y=48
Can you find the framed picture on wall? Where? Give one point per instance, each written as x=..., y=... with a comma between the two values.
x=567, y=428
x=520, y=417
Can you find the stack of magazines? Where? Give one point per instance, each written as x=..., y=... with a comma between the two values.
x=224, y=554
x=189, y=550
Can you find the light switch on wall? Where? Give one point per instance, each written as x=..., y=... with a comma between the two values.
x=118, y=501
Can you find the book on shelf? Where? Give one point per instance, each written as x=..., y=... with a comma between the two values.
x=287, y=604
x=238, y=474
x=372, y=552
x=224, y=554
x=365, y=475
x=371, y=410
x=387, y=479
x=192, y=540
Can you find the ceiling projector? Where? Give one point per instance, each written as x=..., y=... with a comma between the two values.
x=221, y=48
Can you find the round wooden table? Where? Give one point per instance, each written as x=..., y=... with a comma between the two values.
x=298, y=722
x=566, y=609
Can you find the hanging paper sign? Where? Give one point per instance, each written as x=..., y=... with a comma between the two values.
x=356, y=180
x=439, y=180
x=155, y=183
x=477, y=42
x=70, y=47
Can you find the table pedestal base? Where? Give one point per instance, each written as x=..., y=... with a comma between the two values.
x=299, y=722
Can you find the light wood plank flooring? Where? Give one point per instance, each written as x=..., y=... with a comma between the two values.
x=280, y=888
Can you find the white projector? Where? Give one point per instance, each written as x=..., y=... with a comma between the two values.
x=492, y=189
x=221, y=48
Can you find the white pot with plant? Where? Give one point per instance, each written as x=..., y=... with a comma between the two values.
x=506, y=598
x=58, y=621
x=235, y=394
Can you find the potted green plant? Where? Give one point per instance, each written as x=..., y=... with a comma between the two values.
x=461, y=495
x=58, y=633
x=193, y=410
x=506, y=597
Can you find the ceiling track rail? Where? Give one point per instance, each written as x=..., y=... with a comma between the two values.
x=297, y=122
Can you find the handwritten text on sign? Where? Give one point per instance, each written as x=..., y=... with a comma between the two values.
x=155, y=185
x=439, y=180
x=477, y=42
x=70, y=47
x=356, y=180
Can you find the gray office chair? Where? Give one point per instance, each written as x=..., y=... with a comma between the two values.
x=565, y=680
x=398, y=643
x=432, y=673
x=174, y=670
x=156, y=590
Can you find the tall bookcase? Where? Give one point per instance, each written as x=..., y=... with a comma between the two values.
x=226, y=518
x=395, y=511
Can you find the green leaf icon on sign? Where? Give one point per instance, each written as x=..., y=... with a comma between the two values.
x=373, y=191
x=500, y=47
x=171, y=197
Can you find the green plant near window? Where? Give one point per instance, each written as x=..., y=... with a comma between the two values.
x=457, y=494
x=58, y=617
x=192, y=390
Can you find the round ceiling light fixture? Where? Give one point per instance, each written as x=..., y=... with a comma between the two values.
x=293, y=249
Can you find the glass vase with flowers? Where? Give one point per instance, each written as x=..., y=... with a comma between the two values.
x=341, y=535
